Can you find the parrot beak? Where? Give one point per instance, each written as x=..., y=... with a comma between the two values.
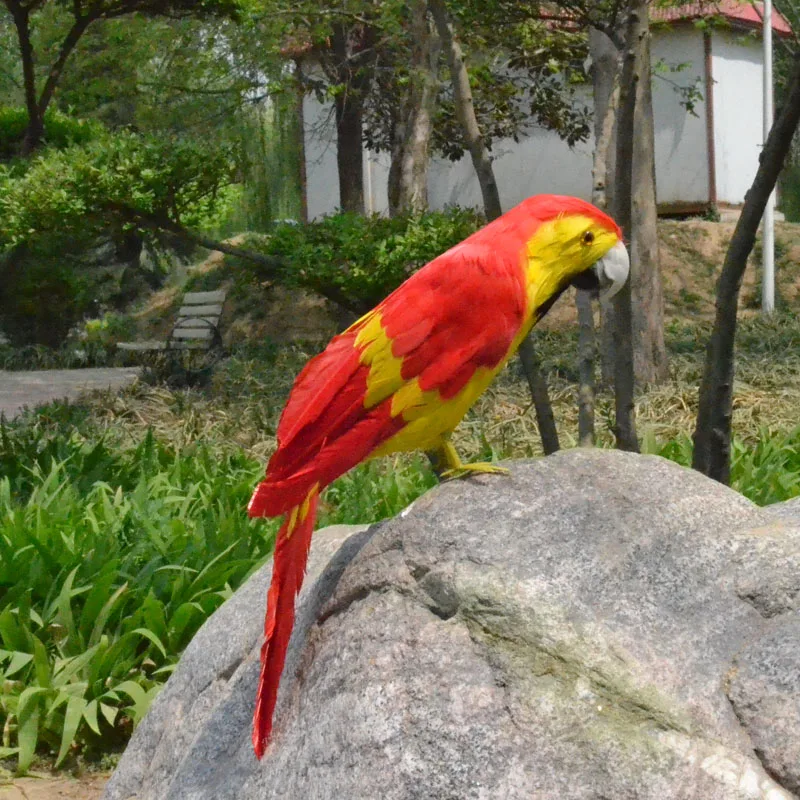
x=608, y=275
x=612, y=270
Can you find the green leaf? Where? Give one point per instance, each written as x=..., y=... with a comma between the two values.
x=105, y=613
x=11, y=633
x=41, y=663
x=64, y=605
x=18, y=662
x=153, y=638
x=109, y=712
x=90, y=715
x=28, y=712
x=72, y=719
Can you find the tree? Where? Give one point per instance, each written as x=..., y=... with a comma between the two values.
x=631, y=74
x=712, y=435
x=413, y=121
x=81, y=15
x=465, y=111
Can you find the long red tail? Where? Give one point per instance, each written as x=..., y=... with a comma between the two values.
x=288, y=571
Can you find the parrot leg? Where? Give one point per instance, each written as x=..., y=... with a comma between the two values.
x=448, y=465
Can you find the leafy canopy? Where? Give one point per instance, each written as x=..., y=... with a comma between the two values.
x=117, y=180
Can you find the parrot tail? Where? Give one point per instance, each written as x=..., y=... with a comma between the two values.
x=288, y=571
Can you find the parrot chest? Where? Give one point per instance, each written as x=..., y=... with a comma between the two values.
x=429, y=417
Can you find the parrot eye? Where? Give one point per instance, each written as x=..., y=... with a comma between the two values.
x=587, y=237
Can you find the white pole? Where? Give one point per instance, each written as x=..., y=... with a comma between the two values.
x=768, y=239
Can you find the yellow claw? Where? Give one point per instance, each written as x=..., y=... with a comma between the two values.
x=449, y=466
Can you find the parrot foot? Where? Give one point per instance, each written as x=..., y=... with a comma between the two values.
x=449, y=466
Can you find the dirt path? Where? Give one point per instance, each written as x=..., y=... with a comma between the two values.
x=30, y=389
x=89, y=787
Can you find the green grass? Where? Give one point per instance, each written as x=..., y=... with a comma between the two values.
x=112, y=556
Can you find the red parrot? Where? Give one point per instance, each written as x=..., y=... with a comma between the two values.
x=402, y=377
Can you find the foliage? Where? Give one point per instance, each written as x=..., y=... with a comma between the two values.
x=117, y=180
x=60, y=204
x=67, y=24
x=524, y=73
x=111, y=560
x=40, y=298
x=767, y=471
x=112, y=556
x=60, y=130
x=359, y=260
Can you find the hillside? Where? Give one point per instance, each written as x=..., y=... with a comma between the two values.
x=691, y=251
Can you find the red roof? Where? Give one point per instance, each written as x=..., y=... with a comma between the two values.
x=739, y=11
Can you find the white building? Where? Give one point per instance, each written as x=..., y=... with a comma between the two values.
x=703, y=159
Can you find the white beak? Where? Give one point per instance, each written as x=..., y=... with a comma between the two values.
x=612, y=270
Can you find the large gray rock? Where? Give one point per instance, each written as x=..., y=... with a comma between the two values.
x=596, y=625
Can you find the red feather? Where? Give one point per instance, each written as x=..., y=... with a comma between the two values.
x=288, y=571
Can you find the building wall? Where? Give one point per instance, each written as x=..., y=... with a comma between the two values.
x=322, y=177
x=737, y=66
x=680, y=137
x=541, y=162
x=322, y=174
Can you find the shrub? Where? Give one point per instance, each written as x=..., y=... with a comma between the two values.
x=358, y=260
x=54, y=212
x=110, y=560
x=60, y=130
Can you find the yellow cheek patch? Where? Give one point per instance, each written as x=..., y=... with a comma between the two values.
x=557, y=253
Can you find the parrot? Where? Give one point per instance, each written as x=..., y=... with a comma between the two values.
x=402, y=377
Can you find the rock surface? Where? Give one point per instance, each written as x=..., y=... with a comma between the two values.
x=596, y=625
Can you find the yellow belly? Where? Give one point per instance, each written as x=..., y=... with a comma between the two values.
x=430, y=419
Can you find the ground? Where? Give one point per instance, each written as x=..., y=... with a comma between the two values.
x=49, y=787
x=33, y=388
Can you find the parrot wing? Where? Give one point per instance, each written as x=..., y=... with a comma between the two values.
x=460, y=312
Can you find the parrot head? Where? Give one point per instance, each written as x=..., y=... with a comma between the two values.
x=573, y=243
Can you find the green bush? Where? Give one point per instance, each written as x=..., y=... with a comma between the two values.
x=110, y=560
x=41, y=297
x=358, y=260
x=55, y=211
x=767, y=471
x=112, y=556
x=117, y=181
x=60, y=130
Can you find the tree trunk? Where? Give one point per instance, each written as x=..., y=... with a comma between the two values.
x=408, y=173
x=541, y=397
x=465, y=111
x=712, y=436
x=630, y=76
x=38, y=105
x=350, y=153
x=586, y=359
x=72, y=38
x=605, y=71
x=605, y=91
x=349, y=71
x=35, y=129
x=650, y=364
x=650, y=355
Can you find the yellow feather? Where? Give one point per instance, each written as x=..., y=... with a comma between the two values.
x=384, y=377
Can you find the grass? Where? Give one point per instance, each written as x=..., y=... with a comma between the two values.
x=112, y=554
x=122, y=524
